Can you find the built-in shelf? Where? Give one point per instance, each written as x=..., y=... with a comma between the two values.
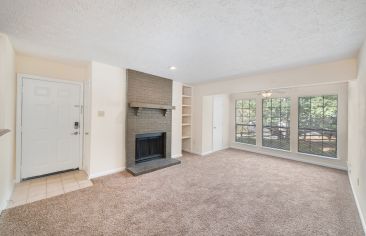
x=4, y=131
x=187, y=94
x=138, y=106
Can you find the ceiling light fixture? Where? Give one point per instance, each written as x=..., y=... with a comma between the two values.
x=267, y=93
x=172, y=68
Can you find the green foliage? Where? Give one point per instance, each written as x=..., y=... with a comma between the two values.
x=276, y=112
x=318, y=125
x=276, y=123
x=317, y=121
x=318, y=112
x=245, y=121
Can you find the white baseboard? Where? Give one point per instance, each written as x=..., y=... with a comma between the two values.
x=362, y=217
x=291, y=156
x=222, y=148
x=193, y=152
x=208, y=152
x=108, y=172
x=4, y=203
x=177, y=155
x=201, y=153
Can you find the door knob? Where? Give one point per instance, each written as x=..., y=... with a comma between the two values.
x=75, y=133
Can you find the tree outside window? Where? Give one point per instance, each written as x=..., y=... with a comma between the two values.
x=276, y=123
x=318, y=125
x=245, y=121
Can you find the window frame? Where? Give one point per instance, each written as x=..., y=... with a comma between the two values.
x=263, y=126
x=322, y=130
x=254, y=126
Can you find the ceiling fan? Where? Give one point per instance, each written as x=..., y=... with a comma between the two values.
x=268, y=93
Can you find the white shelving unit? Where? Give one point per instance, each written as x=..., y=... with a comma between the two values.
x=186, y=118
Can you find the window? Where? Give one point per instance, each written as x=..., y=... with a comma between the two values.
x=276, y=123
x=318, y=125
x=245, y=121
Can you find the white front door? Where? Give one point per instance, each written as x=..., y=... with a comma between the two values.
x=217, y=120
x=51, y=116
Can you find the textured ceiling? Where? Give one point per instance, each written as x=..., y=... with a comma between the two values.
x=204, y=39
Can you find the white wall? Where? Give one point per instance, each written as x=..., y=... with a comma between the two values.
x=104, y=151
x=104, y=90
x=340, y=89
x=50, y=68
x=357, y=135
x=177, y=120
x=7, y=119
x=107, y=133
x=339, y=71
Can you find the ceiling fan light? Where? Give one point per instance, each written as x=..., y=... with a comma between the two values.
x=266, y=94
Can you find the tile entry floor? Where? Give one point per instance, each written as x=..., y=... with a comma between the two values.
x=49, y=186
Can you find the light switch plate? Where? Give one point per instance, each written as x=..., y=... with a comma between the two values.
x=100, y=113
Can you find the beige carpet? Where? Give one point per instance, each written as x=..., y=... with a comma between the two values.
x=230, y=192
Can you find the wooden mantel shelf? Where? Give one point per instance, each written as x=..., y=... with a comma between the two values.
x=138, y=106
x=4, y=131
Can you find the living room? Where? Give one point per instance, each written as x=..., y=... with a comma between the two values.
x=182, y=118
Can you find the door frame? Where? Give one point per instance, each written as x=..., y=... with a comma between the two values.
x=18, y=134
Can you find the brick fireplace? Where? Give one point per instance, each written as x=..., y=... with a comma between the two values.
x=149, y=122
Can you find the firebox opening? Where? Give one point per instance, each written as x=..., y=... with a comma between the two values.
x=150, y=146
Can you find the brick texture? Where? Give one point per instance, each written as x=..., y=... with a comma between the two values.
x=147, y=88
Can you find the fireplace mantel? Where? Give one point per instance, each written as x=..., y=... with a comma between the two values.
x=138, y=106
x=4, y=131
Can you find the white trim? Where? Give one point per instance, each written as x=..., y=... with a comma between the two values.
x=18, y=129
x=86, y=125
x=362, y=217
x=108, y=172
x=222, y=148
x=4, y=205
x=177, y=155
x=49, y=79
x=193, y=152
x=209, y=152
x=18, y=133
x=250, y=93
x=202, y=153
x=290, y=156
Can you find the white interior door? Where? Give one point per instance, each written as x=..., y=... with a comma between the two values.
x=217, y=122
x=51, y=116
